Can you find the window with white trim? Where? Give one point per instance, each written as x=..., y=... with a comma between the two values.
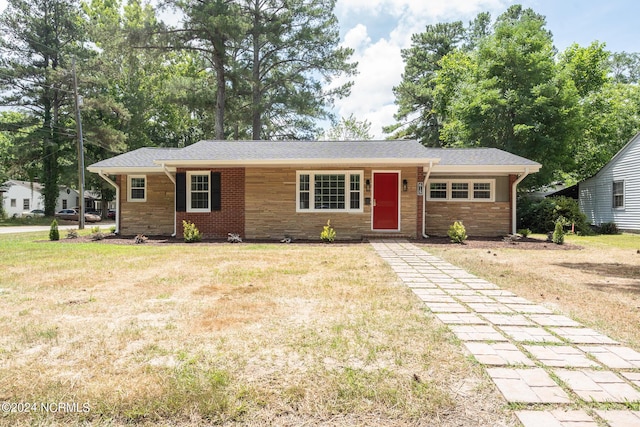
x=137, y=188
x=332, y=191
x=459, y=190
x=198, y=194
x=618, y=194
x=26, y=204
x=13, y=203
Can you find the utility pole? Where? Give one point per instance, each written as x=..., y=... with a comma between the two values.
x=80, y=150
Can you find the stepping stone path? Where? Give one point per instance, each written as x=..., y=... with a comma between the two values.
x=533, y=356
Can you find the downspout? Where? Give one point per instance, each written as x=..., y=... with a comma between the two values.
x=424, y=202
x=175, y=217
x=514, y=201
x=114, y=185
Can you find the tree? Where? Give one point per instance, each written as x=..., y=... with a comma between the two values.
x=515, y=98
x=349, y=129
x=416, y=114
x=39, y=39
x=291, y=49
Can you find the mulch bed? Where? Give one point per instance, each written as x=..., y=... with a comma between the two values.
x=471, y=243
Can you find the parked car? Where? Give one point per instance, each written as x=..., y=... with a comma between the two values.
x=32, y=213
x=72, y=215
x=111, y=214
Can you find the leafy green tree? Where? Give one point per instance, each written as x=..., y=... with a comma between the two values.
x=348, y=129
x=40, y=38
x=515, y=98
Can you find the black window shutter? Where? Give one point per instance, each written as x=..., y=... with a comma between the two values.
x=181, y=192
x=216, y=193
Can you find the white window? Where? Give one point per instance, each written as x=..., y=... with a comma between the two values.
x=25, y=204
x=13, y=203
x=618, y=194
x=198, y=194
x=480, y=190
x=329, y=191
x=137, y=188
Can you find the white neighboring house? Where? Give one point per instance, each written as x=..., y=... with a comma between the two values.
x=613, y=194
x=24, y=196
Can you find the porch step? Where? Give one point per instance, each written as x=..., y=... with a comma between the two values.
x=385, y=236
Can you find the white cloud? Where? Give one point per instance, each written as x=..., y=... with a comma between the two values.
x=380, y=64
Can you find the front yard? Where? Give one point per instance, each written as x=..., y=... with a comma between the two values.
x=218, y=333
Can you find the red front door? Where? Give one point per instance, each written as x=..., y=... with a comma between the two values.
x=385, y=201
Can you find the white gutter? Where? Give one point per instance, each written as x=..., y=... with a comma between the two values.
x=514, y=200
x=106, y=178
x=175, y=214
x=424, y=202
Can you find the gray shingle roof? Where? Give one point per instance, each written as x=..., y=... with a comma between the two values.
x=140, y=158
x=478, y=157
x=290, y=151
x=302, y=150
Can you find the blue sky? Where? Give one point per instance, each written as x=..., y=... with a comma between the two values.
x=379, y=29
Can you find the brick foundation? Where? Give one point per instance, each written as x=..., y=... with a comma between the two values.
x=481, y=219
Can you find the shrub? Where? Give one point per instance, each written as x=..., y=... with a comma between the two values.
x=540, y=216
x=95, y=229
x=112, y=229
x=191, y=232
x=328, y=234
x=524, y=232
x=457, y=232
x=558, y=232
x=54, y=234
x=608, y=228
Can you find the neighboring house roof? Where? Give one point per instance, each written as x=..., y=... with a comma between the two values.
x=618, y=155
x=35, y=186
x=282, y=153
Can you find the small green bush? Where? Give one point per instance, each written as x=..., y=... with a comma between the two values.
x=608, y=228
x=54, y=234
x=457, y=232
x=524, y=232
x=328, y=234
x=95, y=229
x=191, y=232
x=112, y=229
x=558, y=232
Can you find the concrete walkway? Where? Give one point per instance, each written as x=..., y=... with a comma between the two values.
x=567, y=374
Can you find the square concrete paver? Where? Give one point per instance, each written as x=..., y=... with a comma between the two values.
x=598, y=386
x=527, y=385
x=529, y=334
x=460, y=319
x=553, y=320
x=446, y=307
x=507, y=319
x=475, y=299
x=634, y=377
x=498, y=354
x=482, y=285
x=555, y=418
x=561, y=356
x=529, y=308
x=615, y=357
x=618, y=418
x=480, y=307
x=582, y=336
x=477, y=333
x=456, y=292
x=496, y=292
x=512, y=300
x=435, y=298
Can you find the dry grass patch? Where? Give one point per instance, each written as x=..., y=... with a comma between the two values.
x=597, y=283
x=227, y=334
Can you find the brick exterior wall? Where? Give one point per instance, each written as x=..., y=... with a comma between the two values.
x=271, y=207
x=152, y=217
x=482, y=219
x=231, y=217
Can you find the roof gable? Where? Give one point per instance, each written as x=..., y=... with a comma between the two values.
x=619, y=155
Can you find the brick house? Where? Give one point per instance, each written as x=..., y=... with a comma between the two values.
x=269, y=189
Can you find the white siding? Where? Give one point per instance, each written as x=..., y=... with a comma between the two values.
x=596, y=193
x=20, y=191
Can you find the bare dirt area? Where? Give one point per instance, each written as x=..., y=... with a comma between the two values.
x=595, y=280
